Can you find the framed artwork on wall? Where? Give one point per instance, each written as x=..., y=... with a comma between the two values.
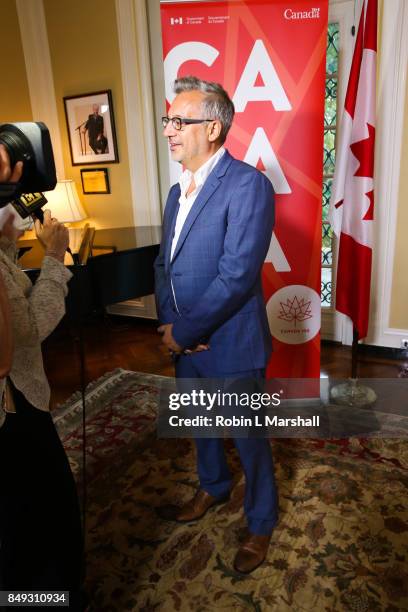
x=91, y=128
x=95, y=180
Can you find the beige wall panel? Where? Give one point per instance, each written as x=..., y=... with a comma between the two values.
x=14, y=99
x=84, y=50
x=399, y=301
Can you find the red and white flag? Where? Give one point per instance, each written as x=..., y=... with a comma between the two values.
x=352, y=201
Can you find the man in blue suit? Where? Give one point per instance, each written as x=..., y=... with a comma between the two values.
x=217, y=228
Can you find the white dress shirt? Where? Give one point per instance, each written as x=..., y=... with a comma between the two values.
x=186, y=202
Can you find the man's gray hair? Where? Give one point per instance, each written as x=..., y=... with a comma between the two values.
x=216, y=104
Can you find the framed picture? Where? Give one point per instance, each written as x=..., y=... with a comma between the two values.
x=91, y=128
x=95, y=180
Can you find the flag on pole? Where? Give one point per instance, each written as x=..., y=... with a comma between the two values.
x=351, y=211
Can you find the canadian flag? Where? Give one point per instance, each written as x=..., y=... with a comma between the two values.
x=351, y=211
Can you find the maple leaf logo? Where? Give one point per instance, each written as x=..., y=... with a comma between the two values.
x=369, y=216
x=363, y=151
x=295, y=310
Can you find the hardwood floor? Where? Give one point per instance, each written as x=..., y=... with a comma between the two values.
x=133, y=344
x=109, y=343
x=335, y=360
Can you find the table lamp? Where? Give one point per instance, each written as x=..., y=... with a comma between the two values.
x=64, y=202
x=65, y=205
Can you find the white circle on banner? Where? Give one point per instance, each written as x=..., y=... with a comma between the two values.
x=294, y=314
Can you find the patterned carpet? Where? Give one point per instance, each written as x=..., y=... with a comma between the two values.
x=341, y=544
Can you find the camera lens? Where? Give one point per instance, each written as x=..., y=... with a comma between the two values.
x=17, y=144
x=30, y=143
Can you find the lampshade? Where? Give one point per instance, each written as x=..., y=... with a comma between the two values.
x=64, y=202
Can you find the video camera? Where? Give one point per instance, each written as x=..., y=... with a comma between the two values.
x=30, y=143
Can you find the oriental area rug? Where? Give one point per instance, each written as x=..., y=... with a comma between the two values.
x=341, y=543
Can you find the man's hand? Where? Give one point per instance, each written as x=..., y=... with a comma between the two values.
x=169, y=341
x=197, y=349
x=167, y=338
x=8, y=174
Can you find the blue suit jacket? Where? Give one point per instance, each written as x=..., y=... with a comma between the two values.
x=216, y=267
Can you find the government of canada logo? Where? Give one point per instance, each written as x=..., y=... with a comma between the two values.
x=294, y=314
x=313, y=13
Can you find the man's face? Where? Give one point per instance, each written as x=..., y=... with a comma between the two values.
x=190, y=146
x=95, y=109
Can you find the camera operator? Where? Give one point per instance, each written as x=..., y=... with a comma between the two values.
x=6, y=338
x=7, y=174
x=40, y=531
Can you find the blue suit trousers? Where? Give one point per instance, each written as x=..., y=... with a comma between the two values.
x=261, y=497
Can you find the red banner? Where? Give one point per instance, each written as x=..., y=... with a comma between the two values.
x=270, y=57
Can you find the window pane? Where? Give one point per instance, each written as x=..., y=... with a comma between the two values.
x=330, y=106
x=329, y=152
x=327, y=183
x=327, y=237
x=330, y=120
x=326, y=289
x=332, y=56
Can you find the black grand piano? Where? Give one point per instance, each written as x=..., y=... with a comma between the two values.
x=112, y=266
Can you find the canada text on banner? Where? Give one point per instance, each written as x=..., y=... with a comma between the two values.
x=270, y=57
